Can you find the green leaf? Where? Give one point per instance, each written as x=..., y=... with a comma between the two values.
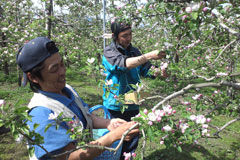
x=195, y=15
x=150, y=134
x=60, y=114
x=21, y=109
x=57, y=127
x=46, y=128
x=35, y=125
x=179, y=148
x=107, y=94
x=31, y=151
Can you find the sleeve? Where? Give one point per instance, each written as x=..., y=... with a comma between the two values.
x=54, y=139
x=114, y=61
x=144, y=68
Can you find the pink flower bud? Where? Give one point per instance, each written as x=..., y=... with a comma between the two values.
x=150, y=123
x=161, y=142
x=145, y=111
x=115, y=96
x=134, y=155
x=70, y=122
x=159, y=119
x=184, y=18
x=205, y=9
x=208, y=120
x=72, y=129
x=174, y=111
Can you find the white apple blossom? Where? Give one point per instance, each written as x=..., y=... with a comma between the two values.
x=193, y=117
x=109, y=82
x=160, y=113
x=204, y=126
x=164, y=66
x=204, y=131
x=167, y=128
x=91, y=60
x=221, y=74
x=197, y=96
x=186, y=103
x=4, y=29
x=196, y=7
x=200, y=119
x=152, y=117
x=19, y=139
x=127, y=155
x=52, y=116
x=188, y=9
x=184, y=126
x=1, y=102
x=167, y=109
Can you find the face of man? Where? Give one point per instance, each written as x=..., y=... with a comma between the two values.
x=53, y=74
x=124, y=38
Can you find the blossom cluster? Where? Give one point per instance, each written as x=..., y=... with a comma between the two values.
x=202, y=120
x=194, y=43
x=129, y=155
x=155, y=70
x=157, y=115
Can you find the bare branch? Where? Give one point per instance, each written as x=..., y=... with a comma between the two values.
x=205, y=78
x=144, y=144
x=149, y=98
x=192, y=86
x=224, y=50
x=227, y=124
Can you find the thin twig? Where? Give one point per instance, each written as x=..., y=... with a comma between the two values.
x=144, y=144
x=224, y=50
x=149, y=98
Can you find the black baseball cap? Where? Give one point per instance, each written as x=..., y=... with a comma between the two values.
x=34, y=52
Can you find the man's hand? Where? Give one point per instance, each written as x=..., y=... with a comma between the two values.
x=114, y=123
x=155, y=55
x=119, y=131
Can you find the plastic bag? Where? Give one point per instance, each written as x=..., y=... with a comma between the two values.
x=97, y=133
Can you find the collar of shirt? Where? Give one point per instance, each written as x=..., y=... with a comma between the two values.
x=128, y=52
x=60, y=98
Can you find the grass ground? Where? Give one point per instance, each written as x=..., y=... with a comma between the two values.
x=225, y=148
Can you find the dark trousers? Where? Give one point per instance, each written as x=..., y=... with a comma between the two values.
x=128, y=146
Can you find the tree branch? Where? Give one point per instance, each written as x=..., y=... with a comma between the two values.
x=191, y=86
x=224, y=126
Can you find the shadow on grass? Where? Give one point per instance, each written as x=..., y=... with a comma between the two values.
x=233, y=153
x=186, y=154
x=92, y=99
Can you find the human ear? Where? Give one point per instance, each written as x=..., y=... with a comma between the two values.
x=32, y=78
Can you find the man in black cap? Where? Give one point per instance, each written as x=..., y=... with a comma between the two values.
x=124, y=65
x=45, y=70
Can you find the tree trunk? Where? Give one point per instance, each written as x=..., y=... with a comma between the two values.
x=49, y=10
x=5, y=68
